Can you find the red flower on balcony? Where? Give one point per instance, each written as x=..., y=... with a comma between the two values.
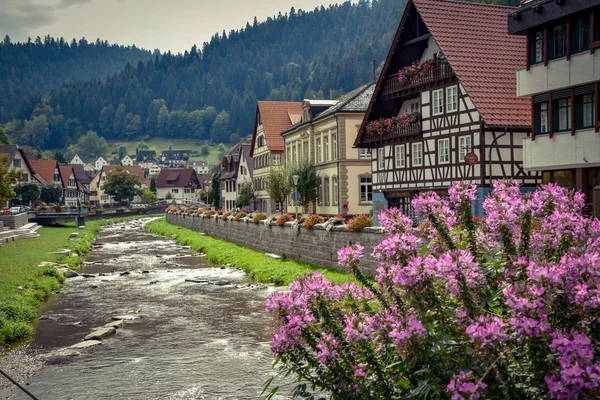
x=415, y=70
x=388, y=125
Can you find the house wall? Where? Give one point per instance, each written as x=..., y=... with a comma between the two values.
x=315, y=246
x=228, y=198
x=180, y=194
x=19, y=160
x=563, y=151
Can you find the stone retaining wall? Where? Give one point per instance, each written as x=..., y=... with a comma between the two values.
x=316, y=246
x=14, y=221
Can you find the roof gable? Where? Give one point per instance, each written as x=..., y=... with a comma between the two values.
x=44, y=170
x=176, y=178
x=275, y=116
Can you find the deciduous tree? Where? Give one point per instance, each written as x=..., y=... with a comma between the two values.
x=308, y=183
x=8, y=177
x=28, y=191
x=245, y=194
x=278, y=185
x=121, y=184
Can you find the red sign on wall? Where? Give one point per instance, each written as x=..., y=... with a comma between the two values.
x=471, y=158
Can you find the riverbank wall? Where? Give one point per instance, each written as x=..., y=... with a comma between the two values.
x=316, y=246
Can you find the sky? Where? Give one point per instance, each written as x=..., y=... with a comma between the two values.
x=174, y=25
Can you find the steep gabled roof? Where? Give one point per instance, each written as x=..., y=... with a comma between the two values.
x=65, y=174
x=176, y=178
x=132, y=169
x=43, y=170
x=12, y=150
x=246, y=150
x=475, y=41
x=276, y=116
x=80, y=174
x=355, y=101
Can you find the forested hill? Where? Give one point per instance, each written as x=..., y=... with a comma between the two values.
x=40, y=65
x=211, y=93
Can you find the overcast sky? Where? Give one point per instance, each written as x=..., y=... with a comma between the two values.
x=164, y=24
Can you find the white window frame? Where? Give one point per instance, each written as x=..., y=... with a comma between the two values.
x=417, y=150
x=452, y=99
x=464, y=146
x=365, y=187
x=334, y=181
x=326, y=148
x=443, y=151
x=319, y=154
x=334, y=145
x=364, y=153
x=437, y=102
x=400, y=156
x=381, y=158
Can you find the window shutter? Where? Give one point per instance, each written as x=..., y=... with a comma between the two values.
x=561, y=94
x=584, y=90
x=540, y=98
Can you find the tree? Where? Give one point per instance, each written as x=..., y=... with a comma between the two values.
x=4, y=139
x=60, y=157
x=121, y=184
x=221, y=129
x=214, y=194
x=28, y=191
x=8, y=177
x=245, y=195
x=121, y=153
x=37, y=130
x=205, y=151
x=278, y=185
x=234, y=138
x=168, y=196
x=308, y=183
x=51, y=193
x=91, y=145
x=148, y=195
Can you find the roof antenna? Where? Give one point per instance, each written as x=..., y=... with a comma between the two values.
x=374, y=62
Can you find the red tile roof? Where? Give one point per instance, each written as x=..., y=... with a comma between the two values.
x=474, y=38
x=44, y=170
x=65, y=172
x=132, y=169
x=176, y=178
x=276, y=116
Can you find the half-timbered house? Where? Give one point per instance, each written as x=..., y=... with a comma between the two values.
x=445, y=108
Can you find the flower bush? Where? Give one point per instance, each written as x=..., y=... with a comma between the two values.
x=200, y=211
x=240, y=215
x=389, y=125
x=42, y=207
x=416, y=70
x=258, y=217
x=359, y=222
x=226, y=215
x=283, y=218
x=311, y=220
x=210, y=213
x=502, y=308
x=58, y=208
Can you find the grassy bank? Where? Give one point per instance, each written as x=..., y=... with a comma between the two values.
x=24, y=285
x=253, y=262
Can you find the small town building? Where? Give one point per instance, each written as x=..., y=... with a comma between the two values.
x=325, y=138
x=245, y=169
x=228, y=175
x=147, y=162
x=47, y=172
x=83, y=183
x=77, y=160
x=182, y=184
x=560, y=82
x=99, y=198
x=175, y=158
x=17, y=159
x=128, y=161
x=445, y=107
x=100, y=163
x=267, y=151
x=201, y=167
x=71, y=194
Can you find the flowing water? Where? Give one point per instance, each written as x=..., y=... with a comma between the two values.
x=189, y=340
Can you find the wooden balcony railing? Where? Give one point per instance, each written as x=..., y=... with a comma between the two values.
x=410, y=130
x=439, y=71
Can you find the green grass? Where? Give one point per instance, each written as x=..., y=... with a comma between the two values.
x=160, y=144
x=254, y=263
x=24, y=285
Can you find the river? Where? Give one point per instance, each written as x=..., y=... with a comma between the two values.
x=207, y=340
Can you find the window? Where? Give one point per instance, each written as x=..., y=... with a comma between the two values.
x=326, y=148
x=562, y=114
x=580, y=34
x=400, y=156
x=319, y=155
x=276, y=159
x=175, y=191
x=537, y=47
x=71, y=182
x=438, y=101
x=334, y=146
x=366, y=189
x=381, y=158
x=189, y=191
x=25, y=178
x=541, y=118
x=417, y=154
x=335, y=190
x=17, y=163
x=464, y=147
x=294, y=159
x=56, y=177
x=326, y=191
x=444, y=151
x=306, y=151
x=364, y=153
x=414, y=107
x=557, y=41
x=452, y=99
x=584, y=111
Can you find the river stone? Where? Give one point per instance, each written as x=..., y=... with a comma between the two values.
x=101, y=334
x=274, y=256
x=154, y=282
x=127, y=311
x=74, y=235
x=59, y=356
x=65, y=252
x=125, y=317
x=86, y=344
x=125, y=273
x=71, y=274
x=88, y=275
x=194, y=280
x=221, y=283
x=115, y=324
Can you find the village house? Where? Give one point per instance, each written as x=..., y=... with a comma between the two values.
x=46, y=172
x=100, y=163
x=99, y=198
x=182, y=184
x=267, y=151
x=201, y=167
x=228, y=175
x=127, y=161
x=560, y=82
x=17, y=159
x=325, y=138
x=147, y=162
x=445, y=108
x=77, y=160
x=83, y=182
x=205, y=185
x=71, y=194
x=245, y=171
x=175, y=158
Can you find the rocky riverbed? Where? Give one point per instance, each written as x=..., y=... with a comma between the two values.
x=159, y=322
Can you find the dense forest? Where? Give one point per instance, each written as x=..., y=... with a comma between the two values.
x=43, y=64
x=211, y=93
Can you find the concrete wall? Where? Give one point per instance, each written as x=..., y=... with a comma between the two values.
x=315, y=246
x=14, y=221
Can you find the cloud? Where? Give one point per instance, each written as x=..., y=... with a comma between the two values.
x=17, y=17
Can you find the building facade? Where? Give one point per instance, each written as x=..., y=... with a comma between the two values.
x=445, y=108
x=182, y=184
x=560, y=80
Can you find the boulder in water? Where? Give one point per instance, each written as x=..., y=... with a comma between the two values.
x=86, y=344
x=115, y=324
x=101, y=334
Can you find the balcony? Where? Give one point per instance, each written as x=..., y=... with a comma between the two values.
x=375, y=140
x=439, y=72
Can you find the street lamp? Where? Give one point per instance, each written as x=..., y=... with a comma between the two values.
x=295, y=178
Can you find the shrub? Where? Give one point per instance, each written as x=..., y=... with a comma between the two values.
x=507, y=308
x=200, y=211
x=42, y=207
x=359, y=222
x=258, y=217
x=58, y=208
x=210, y=213
x=226, y=215
x=240, y=215
x=283, y=218
x=312, y=220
